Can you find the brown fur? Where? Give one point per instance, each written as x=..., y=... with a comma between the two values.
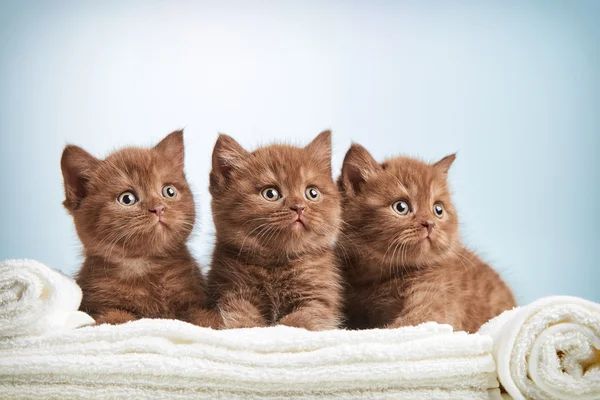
x=135, y=266
x=397, y=274
x=266, y=268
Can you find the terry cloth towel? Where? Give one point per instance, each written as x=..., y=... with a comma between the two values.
x=549, y=349
x=154, y=358
x=36, y=300
x=176, y=360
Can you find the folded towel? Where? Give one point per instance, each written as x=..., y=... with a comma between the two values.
x=549, y=349
x=35, y=300
x=174, y=359
x=41, y=356
x=45, y=391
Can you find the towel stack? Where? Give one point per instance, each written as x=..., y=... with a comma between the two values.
x=165, y=358
x=549, y=349
x=177, y=360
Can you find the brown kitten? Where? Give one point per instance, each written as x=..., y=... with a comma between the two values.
x=401, y=252
x=276, y=213
x=134, y=212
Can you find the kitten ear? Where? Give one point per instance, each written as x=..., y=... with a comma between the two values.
x=320, y=148
x=227, y=155
x=171, y=147
x=445, y=163
x=77, y=166
x=358, y=166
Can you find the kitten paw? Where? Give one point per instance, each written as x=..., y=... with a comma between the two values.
x=308, y=322
x=115, y=317
x=240, y=313
x=235, y=320
x=205, y=318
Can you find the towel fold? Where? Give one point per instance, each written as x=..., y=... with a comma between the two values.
x=549, y=349
x=36, y=300
x=45, y=391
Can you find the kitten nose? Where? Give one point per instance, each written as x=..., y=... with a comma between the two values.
x=429, y=224
x=299, y=208
x=158, y=210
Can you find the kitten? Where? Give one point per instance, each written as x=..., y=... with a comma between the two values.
x=401, y=252
x=276, y=213
x=134, y=212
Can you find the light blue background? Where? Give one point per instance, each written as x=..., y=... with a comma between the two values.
x=514, y=87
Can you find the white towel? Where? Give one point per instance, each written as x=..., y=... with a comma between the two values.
x=35, y=300
x=174, y=359
x=41, y=358
x=549, y=349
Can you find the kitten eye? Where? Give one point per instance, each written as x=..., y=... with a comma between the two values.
x=127, y=198
x=312, y=193
x=401, y=207
x=169, y=192
x=438, y=210
x=270, y=194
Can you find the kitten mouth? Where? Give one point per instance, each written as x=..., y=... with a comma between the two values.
x=427, y=240
x=298, y=223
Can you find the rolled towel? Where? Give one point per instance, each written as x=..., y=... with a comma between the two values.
x=35, y=300
x=549, y=349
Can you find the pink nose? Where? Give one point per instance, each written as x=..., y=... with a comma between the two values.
x=299, y=208
x=429, y=225
x=158, y=210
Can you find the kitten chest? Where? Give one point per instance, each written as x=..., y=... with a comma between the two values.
x=279, y=292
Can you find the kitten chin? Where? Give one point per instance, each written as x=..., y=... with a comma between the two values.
x=133, y=213
x=276, y=213
x=400, y=250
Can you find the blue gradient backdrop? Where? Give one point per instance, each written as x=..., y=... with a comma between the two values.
x=513, y=86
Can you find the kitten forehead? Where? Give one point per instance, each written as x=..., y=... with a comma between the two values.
x=413, y=172
x=412, y=178
x=136, y=166
x=285, y=163
x=129, y=158
x=280, y=153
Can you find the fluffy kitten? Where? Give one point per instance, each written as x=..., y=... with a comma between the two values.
x=276, y=213
x=401, y=252
x=134, y=212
